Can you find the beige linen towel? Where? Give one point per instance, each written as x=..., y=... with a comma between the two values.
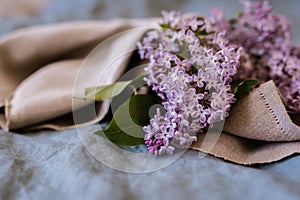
x=38, y=68
x=258, y=130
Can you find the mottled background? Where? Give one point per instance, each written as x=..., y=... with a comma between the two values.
x=20, y=13
x=55, y=165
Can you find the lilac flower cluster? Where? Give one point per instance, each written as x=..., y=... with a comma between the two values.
x=191, y=70
x=268, y=51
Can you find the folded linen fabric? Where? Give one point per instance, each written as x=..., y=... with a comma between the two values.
x=39, y=67
x=258, y=130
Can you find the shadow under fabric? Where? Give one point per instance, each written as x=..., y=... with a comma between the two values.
x=38, y=68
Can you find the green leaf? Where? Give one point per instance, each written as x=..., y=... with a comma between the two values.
x=126, y=127
x=139, y=107
x=240, y=14
x=244, y=88
x=202, y=32
x=165, y=26
x=233, y=21
x=105, y=92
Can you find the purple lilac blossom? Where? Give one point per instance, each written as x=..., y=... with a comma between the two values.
x=268, y=51
x=191, y=71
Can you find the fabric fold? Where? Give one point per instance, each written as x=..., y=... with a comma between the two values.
x=26, y=50
x=258, y=130
x=245, y=151
x=262, y=116
x=39, y=66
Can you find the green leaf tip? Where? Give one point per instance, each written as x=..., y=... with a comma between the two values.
x=244, y=88
x=102, y=93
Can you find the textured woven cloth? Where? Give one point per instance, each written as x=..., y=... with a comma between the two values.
x=39, y=68
x=258, y=130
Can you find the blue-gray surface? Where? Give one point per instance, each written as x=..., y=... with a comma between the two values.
x=55, y=164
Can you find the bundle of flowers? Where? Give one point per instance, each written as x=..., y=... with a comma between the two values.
x=269, y=53
x=198, y=67
x=191, y=70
